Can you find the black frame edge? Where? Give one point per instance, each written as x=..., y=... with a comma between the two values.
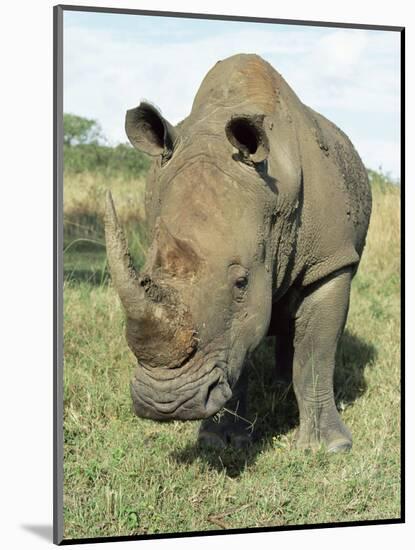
x=57, y=275
x=183, y=15
x=402, y=232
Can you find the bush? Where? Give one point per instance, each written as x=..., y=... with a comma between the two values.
x=109, y=161
x=85, y=150
x=380, y=180
x=77, y=129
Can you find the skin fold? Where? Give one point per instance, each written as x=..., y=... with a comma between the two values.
x=258, y=209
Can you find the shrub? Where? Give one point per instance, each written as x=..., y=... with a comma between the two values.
x=110, y=161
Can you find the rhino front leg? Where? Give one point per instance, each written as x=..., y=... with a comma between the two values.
x=319, y=323
x=229, y=427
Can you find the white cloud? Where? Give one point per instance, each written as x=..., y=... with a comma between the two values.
x=337, y=53
x=350, y=70
x=379, y=153
x=344, y=74
x=102, y=71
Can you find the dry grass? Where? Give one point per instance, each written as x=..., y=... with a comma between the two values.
x=85, y=193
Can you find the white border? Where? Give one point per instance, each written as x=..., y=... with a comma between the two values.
x=26, y=269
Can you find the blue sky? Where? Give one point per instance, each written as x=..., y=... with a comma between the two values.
x=113, y=61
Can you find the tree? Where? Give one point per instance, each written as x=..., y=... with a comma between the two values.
x=78, y=130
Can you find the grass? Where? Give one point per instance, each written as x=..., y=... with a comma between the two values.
x=83, y=231
x=125, y=476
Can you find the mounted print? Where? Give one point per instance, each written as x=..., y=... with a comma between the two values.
x=227, y=300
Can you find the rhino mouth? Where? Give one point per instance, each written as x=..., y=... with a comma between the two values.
x=173, y=399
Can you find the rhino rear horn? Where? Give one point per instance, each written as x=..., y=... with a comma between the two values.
x=247, y=134
x=173, y=255
x=148, y=131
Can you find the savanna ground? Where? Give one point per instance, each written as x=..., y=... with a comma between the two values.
x=125, y=476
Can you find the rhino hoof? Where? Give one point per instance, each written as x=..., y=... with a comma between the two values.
x=333, y=442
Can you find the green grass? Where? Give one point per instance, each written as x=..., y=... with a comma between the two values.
x=124, y=475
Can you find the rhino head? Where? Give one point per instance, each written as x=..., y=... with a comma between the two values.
x=202, y=302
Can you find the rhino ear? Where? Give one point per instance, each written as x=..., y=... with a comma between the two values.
x=247, y=134
x=148, y=131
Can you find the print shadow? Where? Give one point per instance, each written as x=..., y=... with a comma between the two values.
x=272, y=406
x=44, y=532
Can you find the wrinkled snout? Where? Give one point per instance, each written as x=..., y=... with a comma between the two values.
x=189, y=395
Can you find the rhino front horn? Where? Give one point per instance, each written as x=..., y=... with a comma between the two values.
x=123, y=273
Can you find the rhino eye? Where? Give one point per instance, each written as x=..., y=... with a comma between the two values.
x=239, y=288
x=241, y=283
x=238, y=281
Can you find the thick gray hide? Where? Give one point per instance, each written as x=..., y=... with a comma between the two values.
x=258, y=209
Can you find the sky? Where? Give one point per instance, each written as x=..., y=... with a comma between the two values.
x=352, y=77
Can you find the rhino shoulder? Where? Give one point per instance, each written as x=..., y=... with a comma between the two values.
x=353, y=178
